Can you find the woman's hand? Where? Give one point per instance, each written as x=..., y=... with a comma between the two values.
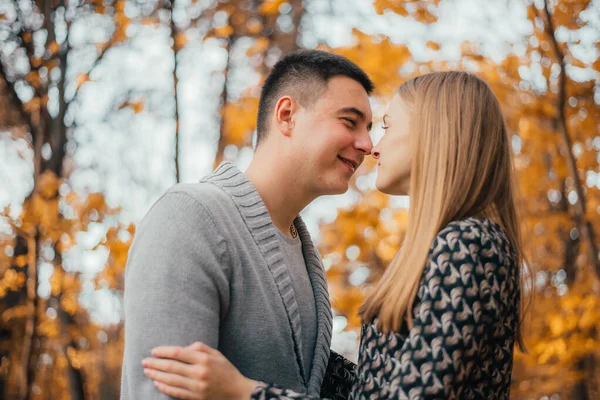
x=196, y=372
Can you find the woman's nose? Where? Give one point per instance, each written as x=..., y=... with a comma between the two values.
x=376, y=154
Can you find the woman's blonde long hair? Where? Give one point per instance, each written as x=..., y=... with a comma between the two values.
x=462, y=167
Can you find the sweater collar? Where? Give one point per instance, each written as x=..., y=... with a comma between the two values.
x=254, y=212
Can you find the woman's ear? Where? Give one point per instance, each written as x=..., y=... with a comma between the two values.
x=285, y=110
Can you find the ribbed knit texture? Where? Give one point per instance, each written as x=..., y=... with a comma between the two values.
x=255, y=213
x=206, y=265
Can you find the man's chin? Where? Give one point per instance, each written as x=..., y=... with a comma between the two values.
x=338, y=189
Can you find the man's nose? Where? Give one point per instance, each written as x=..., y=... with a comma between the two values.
x=364, y=143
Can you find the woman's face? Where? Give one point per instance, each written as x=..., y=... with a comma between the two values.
x=394, y=150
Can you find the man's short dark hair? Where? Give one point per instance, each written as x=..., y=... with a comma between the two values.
x=304, y=74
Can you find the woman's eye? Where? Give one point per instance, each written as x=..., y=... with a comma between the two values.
x=384, y=127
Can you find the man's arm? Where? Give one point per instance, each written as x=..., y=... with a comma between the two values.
x=337, y=384
x=176, y=286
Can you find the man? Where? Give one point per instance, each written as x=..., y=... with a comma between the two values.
x=228, y=262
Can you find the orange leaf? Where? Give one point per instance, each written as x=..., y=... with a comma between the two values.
x=260, y=45
x=33, y=77
x=36, y=61
x=394, y=6
x=224, y=31
x=21, y=260
x=254, y=26
x=239, y=119
x=433, y=45
x=32, y=105
x=270, y=7
x=81, y=79
x=180, y=40
x=120, y=6
x=138, y=106
x=51, y=64
x=53, y=48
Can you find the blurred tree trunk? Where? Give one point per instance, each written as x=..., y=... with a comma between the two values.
x=283, y=42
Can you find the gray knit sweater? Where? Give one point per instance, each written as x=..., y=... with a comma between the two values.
x=206, y=265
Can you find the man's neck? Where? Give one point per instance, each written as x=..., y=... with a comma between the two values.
x=277, y=183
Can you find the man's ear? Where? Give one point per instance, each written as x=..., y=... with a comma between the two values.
x=285, y=110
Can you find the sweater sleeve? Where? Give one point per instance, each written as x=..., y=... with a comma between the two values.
x=459, y=302
x=337, y=383
x=176, y=286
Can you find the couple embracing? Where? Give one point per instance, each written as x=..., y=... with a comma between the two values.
x=225, y=293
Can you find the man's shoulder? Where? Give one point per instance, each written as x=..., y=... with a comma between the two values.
x=193, y=202
x=203, y=193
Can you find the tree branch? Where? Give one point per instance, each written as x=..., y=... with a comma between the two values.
x=579, y=207
x=224, y=99
x=175, y=84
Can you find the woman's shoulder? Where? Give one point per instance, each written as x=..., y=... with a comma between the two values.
x=473, y=235
x=472, y=259
x=472, y=228
x=472, y=246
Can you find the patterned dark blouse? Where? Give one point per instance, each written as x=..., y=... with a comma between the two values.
x=461, y=344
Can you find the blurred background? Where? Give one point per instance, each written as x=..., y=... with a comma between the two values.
x=104, y=104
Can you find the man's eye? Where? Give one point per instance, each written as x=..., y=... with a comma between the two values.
x=350, y=121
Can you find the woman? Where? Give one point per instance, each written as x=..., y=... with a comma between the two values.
x=444, y=318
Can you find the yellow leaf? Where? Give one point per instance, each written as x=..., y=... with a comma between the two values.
x=433, y=45
x=17, y=312
x=36, y=61
x=254, y=26
x=21, y=261
x=53, y=48
x=33, y=77
x=557, y=325
x=224, y=31
x=391, y=5
x=371, y=53
x=94, y=201
x=423, y=15
x=239, y=120
x=260, y=45
x=388, y=247
x=81, y=79
x=120, y=6
x=48, y=184
x=269, y=7
x=180, y=40
x=138, y=106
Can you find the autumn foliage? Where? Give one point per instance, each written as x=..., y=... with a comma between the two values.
x=52, y=347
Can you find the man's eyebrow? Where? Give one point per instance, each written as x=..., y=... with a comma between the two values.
x=352, y=110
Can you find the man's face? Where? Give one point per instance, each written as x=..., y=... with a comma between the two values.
x=332, y=136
